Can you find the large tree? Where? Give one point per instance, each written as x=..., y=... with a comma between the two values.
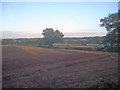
x=112, y=25
x=51, y=36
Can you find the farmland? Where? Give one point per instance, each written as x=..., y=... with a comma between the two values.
x=85, y=43
x=35, y=67
x=37, y=41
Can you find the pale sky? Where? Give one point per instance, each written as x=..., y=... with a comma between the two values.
x=64, y=16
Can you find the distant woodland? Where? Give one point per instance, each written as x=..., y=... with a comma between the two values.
x=38, y=41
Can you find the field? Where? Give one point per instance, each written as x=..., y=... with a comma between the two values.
x=33, y=67
x=68, y=41
x=77, y=47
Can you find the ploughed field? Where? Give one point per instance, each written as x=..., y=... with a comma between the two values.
x=33, y=67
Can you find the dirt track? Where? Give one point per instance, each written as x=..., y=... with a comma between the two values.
x=32, y=67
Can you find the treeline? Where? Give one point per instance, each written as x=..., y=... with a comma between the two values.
x=39, y=42
x=85, y=40
x=23, y=41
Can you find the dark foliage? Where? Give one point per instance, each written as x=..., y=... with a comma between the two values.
x=112, y=25
x=51, y=36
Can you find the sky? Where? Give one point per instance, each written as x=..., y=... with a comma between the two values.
x=67, y=17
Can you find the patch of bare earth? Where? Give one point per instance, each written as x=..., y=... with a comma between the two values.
x=32, y=67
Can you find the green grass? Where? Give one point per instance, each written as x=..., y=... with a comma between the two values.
x=62, y=45
x=101, y=45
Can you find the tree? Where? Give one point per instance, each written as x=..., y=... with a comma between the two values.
x=112, y=25
x=51, y=36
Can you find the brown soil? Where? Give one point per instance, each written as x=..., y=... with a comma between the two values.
x=32, y=67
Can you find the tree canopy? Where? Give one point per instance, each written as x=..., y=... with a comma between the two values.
x=112, y=25
x=51, y=36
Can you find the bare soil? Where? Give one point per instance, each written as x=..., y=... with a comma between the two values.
x=32, y=67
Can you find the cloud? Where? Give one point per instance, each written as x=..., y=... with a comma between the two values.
x=12, y=34
x=84, y=34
